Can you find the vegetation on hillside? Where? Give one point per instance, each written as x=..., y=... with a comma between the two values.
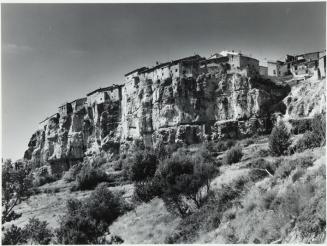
x=278, y=196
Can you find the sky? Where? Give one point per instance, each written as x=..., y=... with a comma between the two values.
x=55, y=53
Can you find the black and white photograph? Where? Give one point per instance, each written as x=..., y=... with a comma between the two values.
x=172, y=122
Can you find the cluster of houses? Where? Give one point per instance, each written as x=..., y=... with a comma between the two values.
x=299, y=66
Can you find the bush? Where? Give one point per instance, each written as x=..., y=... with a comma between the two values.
x=279, y=139
x=221, y=146
x=86, y=222
x=72, y=173
x=89, y=177
x=143, y=166
x=14, y=235
x=146, y=191
x=309, y=140
x=16, y=185
x=37, y=231
x=301, y=126
x=319, y=127
x=233, y=155
x=261, y=168
x=42, y=176
x=209, y=216
x=248, y=142
x=286, y=167
x=181, y=177
x=103, y=205
x=314, y=138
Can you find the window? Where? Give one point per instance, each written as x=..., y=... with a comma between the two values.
x=176, y=70
x=274, y=71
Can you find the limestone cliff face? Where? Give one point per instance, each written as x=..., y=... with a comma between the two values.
x=177, y=109
x=306, y=98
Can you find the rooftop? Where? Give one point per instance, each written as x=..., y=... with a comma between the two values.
x=136, y=70
x=109, y=88
x=174, y=62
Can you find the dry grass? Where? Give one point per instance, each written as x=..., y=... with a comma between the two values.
x=148, y=223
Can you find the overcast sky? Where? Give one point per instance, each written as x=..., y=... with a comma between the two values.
x=56, y=53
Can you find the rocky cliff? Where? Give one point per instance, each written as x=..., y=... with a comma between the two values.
x=306, y=99
x=181, y=109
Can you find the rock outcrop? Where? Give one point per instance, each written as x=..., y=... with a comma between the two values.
x=175, y=109
x=306, y=99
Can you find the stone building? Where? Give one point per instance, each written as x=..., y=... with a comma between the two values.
x=78, y=104
x=303, y=65
x=101, y=95
x=277, y=68
x=182, y=68
x=43, y=124
x=235, y=60
x=65, y=109
x=263, y=71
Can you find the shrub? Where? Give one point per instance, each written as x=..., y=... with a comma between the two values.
x=262, y=168
x=76, y=227
x=98, y=161
x=248, y=142
x=118, y=165
x=209, y=216
x=279, y=139
x=314, y=138
x=301, y=126
x=263, y=153
x=89, y=177
x=37, y=231
x=143, y=166
x=319, y=127
x=14, y=235
x=42, y=176
x=221, y=146
x=308, y=141
x=230, y=143
x=86, y=222
x=312, y=221
x=72, y=173
x=16, y=186
x=182, y=176
x=233, y=155
x=267, y=199
x=286, y=167
x=146, y=191
x=103, y=205
x=299, y=172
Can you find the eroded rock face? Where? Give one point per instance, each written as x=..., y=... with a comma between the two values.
x=306, y=99
x=183, y=110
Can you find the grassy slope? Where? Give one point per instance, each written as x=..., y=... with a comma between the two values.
x=50, y=206
x=216, y=236
x=148, y=223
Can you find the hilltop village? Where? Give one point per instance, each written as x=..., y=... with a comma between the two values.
x=185, y=101
x=194, y=150
x=297, y=67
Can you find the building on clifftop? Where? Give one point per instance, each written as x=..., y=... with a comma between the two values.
x=101, y=95
x=235, y=60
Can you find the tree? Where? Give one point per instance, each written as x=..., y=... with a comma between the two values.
x=182, y=177
x=15, y=189
x=143, y=166
x=86, y=222
x=279, y=139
